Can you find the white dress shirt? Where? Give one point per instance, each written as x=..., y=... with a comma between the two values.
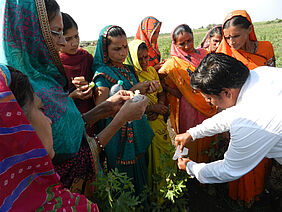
x=255, y=125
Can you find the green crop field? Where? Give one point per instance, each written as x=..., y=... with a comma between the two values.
x=269, y=30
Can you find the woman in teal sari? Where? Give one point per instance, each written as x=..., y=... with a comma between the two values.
x=127, y=150
x=30, y=36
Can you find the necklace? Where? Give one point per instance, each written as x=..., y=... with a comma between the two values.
x=124, y=71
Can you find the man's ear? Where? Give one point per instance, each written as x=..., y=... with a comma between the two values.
x=227, y=92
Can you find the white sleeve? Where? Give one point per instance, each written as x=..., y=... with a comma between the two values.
x=248, y=146
x=219, y=123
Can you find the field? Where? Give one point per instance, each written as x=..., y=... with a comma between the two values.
x=269, y=31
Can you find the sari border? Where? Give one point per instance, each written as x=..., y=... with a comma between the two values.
x=45, y=28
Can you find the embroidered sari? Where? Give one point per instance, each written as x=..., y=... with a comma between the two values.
x=145, y=32
x=27, y=45
x=28, y=180
x=161, y=143
x=127, y=149
x=192, y=108
x=248, y=187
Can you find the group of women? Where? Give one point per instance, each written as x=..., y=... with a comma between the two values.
x=43, y=44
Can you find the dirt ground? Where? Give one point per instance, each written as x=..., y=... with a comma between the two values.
x=214, y=197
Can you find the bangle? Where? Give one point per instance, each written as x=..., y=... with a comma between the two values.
x=98, y=141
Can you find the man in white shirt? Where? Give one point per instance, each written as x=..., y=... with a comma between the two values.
x=252, y=112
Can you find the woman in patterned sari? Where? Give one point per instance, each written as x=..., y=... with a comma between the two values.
x=239, y=41
x=29, y=182
x=31, y=35
x=128, y=148
x=188, y=108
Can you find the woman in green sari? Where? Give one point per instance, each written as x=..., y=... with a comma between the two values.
x=127, y=150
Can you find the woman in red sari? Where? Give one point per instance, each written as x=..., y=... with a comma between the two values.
x=77, y=64
x=29, y=180
x=239, y=41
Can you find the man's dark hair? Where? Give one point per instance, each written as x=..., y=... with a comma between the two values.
x=218, y=71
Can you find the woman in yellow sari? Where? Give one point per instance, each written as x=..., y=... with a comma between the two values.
x=239, y=41
x=156, y=108
x=188, y=108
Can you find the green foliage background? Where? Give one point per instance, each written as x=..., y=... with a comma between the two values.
x=265, y=31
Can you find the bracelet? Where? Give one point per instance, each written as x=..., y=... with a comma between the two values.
x=98, y=141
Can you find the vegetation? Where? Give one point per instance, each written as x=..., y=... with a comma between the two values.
x=268, y=30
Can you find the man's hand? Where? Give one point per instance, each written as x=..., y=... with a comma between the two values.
x=182, y=162
x=182, y=140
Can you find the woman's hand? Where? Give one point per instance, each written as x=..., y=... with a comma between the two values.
x=116, y=101
x=132, y=110
x=151, y=116
x=82, y=94
x=154, y=86
x=182, y=140
x=182, y=163
x=80, y=82
x=143, y=87
x=82, y=91
x=159, y=108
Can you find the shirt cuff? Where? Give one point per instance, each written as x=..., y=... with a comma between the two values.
x=191, y=133
x=189, y=168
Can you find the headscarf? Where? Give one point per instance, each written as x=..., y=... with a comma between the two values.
x=193, y=57
x=145, y=32
x=226, y=49
x=132, y=58
x=27, y=45
x=149, y=74
x=28, y=180
x=206, y=41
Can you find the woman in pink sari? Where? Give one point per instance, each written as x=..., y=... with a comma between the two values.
x=188, y=108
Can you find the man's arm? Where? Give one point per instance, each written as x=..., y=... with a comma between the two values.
x=248, y=146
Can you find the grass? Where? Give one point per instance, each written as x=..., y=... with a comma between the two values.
x=265, y=31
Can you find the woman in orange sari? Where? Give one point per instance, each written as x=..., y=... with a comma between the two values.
x=148, y=31
x=188, y=108
x=240, y=42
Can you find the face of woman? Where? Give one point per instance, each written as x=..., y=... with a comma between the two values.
x=143, y=58
x=118, y=50
x=236, y=36
x=56, y=26
x=72, y=41
x=214, y=42
x=41, y=124
x=185, y=42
